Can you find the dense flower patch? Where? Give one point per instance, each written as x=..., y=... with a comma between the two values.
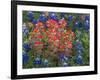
x=53, y=39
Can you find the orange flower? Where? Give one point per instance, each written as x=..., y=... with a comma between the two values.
x=40, y=24
x=36, y=30
x=52, y=24
x=40, y=36
x=37, y=43
x=69, y=44
x=62, y=47
x=63, y=22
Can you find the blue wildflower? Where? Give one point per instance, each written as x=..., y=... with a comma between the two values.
x=79, y=52
x=70, y=18
x=87, y=24
x=65, y=64
x=79, y=46
x=87, y=18
x=34, y=21
x=37, y=61
x=30, y=15
x=79, y=59
x=62, y=15
x=78, y=24
x=25, y=58
x=45, y=62
x=52, y=15
x=42, y=18
x=66, y=58
x=26, y=47
x=63, y=57
x=25, y=30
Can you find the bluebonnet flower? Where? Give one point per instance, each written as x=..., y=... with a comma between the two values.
x=79, y=59
x=25, y=30
x=70, y=18
x=37, y=60
x=63, y=57
x=45, y=62
x=62, y=15
x=25, y=58
x=65, y=64
x=34, y=21
x=87, y=24
x=79, y=49
x=79, y=45
x=42, y=18
x=26, y=47
x=30, y=15
x=78, y=24
x=87, y=18
x=79, y=52
x=52, y=15
x=66, y=58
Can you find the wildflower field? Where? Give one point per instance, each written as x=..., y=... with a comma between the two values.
x=55, y=39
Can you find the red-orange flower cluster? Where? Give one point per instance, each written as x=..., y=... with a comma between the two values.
x=56, y=34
